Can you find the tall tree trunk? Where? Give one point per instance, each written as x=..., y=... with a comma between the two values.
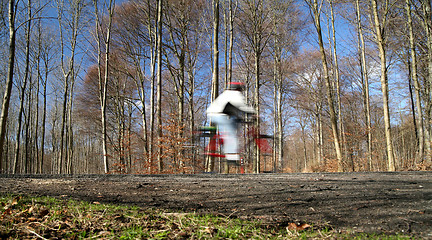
x=427, y=24
x=38, y=82
x=68, y=74
x=365, y=85
x=231, y=40
x=153, y=58
x=215, y=77
x=28, y=162
x=226, y=28
x=44, y=111
x=140, y=83
x=159, y=85
x=103, y=81
x=333, y=118
x=69, y=128
x=22, y=94
x=9, y=81
x=384, y=85
x=277, y=132
x=319, y=151
x=277, y=79
x=414, y=77
x=191, y=111
x=338, y=91
x=304, y=144
x=257, y=159
x=63, y=123
x=105, y=84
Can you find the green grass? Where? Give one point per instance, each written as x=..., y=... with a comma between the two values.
x=44, y=218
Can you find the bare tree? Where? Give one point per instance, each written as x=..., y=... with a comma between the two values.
x=48, y=50
x=414, y=77
x=380, y=40
x=255, y=24
x=337, y=81
x=308, y=99
x=285, y=36
x=215, y=69
x=67, y=65
x=316, y=10
x=365, y=82
x=159, y=84
x=22, y=93
x=103, y=79
x=9, y=80
x=427, y=26
x=152, y=31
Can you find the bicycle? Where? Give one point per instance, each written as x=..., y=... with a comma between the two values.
x=215, y=143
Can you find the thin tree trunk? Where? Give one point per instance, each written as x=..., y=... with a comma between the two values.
x=427, y=24
x=9, y=81
x=191, y=113
x=22, y=94
x=215, y=77
x=69, y=127
x=280, y=135
x=278, y=132
x=319, y=135
x=103, y=82
x=365, y=85
x=303, y=138
x=384, y=86
x=68, y=73
x=337, y=81
x=231, y=40
x=414, y=77
x=152, y=94
x=159, y=86
x=62, y=127
x=28, y=161
x=39, y=79
x=44, y=110
x=257, y=162
x=333, y=118
x=226, y=28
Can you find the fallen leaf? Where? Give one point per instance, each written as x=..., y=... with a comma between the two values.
x=31, y=209
x=208, y=230
x=298, y=227
x=15, y=200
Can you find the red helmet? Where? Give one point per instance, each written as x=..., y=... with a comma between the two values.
x=239, y=86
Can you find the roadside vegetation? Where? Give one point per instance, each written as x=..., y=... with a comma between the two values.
x=25, y=217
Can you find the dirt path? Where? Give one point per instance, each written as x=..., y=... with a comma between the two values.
x=361, y=202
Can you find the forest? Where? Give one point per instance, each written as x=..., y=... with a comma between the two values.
x=120, y=87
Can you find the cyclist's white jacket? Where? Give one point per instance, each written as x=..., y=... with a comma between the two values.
x=230, y=102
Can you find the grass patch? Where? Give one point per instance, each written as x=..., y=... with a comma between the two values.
x=25, y=217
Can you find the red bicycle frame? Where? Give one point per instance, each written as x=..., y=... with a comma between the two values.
x=216, y=140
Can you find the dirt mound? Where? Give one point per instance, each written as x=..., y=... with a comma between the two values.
x=360, y=202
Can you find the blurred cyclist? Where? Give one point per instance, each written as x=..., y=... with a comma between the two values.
x=226, y=111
